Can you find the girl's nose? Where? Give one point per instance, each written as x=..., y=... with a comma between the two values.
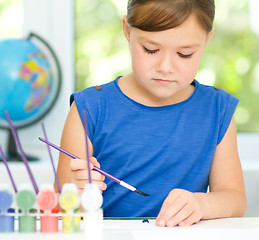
x=165, y=64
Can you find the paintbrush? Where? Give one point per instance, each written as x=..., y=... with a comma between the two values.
x=51, y=159
x=23, y=156
x=122, y=183
x=87, y=147
x=8, y=170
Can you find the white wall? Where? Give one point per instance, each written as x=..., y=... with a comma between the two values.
x=52, y=20
x=248, y=147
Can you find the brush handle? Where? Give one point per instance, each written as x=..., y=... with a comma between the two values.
x=24, y=158
x=75, y=157
x=51, y=159
x=87, y=147
x=8, y=170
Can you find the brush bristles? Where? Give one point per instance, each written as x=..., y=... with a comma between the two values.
x=141, y=193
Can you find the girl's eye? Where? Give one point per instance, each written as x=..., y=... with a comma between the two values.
x=150, y=51
x=184, y=56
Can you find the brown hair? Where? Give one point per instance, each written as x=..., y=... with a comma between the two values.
x=159, y=15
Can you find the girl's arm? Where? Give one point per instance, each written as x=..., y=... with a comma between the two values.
x=227, y=196
x=73, y=140
x=227, y=192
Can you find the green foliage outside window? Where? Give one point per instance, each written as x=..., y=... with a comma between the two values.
x=101, y=52
x=11, y=18
x=230, y=61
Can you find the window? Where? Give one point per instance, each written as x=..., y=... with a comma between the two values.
x=101, y=51
x=11, y=26
x=230, y=61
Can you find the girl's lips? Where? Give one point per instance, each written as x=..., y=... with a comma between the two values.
x=163, y=81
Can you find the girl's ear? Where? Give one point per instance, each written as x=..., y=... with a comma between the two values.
x=126, y=27
x=210, y=34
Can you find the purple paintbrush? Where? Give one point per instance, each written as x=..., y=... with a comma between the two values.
x=8, y=170
x=52, y=162
x=24, y=159
x=126, y=185
x=87, y=147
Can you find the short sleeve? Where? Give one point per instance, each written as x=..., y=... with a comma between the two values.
x=228, y=104
x=87, y=100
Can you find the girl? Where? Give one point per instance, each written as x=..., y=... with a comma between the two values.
x=158, y=128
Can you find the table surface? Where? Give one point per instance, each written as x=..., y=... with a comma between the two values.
x=118, y=229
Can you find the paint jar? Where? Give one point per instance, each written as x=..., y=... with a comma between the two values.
x=6, y=223
x=6, y=200
x=69, y=201
x=25, y=199
x=27, y=222
x=71, y=222
x=47, y=200
x=91, y=200
x=49, y=222
x=93, y=224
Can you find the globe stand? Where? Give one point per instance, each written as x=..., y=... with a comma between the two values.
x=12, y=153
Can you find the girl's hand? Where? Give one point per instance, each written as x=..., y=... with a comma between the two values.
x=79, y=174
x=181, y=208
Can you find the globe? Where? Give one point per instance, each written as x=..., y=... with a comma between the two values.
x=30, y=80
x=28, y=86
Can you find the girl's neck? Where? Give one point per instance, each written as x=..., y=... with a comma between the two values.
x=132, y=89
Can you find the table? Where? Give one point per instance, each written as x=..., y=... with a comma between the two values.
x=118, y=229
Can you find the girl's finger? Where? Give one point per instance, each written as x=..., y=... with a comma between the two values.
x=78, y=164
x=102, y=186
x=184, y=213
x=83, y=175
x=169, y=209
x=168, y=202
x=94, y=161
x=193, y=218
x=80, y=184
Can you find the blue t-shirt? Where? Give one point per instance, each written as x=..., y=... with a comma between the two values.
x=154, y=149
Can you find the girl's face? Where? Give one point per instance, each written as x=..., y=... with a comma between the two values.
x=165, y=63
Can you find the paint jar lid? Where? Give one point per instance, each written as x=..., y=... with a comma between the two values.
x=91, y=198
x=47, y=198
x=69, y=198
x=25, y=197
x=6, y=200
x=6, y=196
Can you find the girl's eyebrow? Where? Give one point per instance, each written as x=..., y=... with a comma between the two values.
x=148, y=41
x=194, y=45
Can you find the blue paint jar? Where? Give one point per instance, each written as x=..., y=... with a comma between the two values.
x=6, y=220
